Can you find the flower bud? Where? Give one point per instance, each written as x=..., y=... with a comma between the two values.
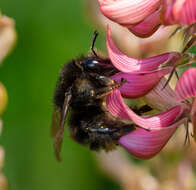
x=3, y=98
x=7, y=36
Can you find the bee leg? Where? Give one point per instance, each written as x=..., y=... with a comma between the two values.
x=116, y=133
x=102, y=92
x=124, y=130
x=106, y=81
x=103, y=80
x=101, y=130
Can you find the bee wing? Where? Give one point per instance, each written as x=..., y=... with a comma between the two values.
x=56, y=117
x=58, y=123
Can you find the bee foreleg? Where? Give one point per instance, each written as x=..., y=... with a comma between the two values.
x=102, y=92
x=103, y=80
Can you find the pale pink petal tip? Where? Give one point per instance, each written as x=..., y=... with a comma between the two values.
x=127, y=64
x=145, y=144
x=118, y=108
x=186, y=86
x=139, y=84
x=128, y=12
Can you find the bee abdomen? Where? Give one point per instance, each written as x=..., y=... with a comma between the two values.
x=97, y=131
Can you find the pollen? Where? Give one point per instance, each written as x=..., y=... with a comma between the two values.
x=92, y=92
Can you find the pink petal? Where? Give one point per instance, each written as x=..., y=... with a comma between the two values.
x=162, y=98
x=128, y=12
x=118, y=108
x=181, y=12
x=128, y=64
x=146, y=144
x=148, y=26
x=184, y=11
x=139, y=84
x=186, y=86
x=167, y=12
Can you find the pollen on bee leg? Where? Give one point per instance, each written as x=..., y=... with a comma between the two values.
x=92, y=92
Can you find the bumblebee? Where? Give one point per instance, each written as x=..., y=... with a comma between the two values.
x=82, y=88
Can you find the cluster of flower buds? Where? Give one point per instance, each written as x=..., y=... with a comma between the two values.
x=146, y=77
x=7, y=41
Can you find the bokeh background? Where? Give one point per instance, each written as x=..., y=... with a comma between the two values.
x=49, y=34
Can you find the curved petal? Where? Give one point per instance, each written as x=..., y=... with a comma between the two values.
x=118, y=108
x=162, y=98
x=186, y=86
x=127, y=64
x=148, y=26
x=181, y=12
x=128, y=12
x=184, y=12
x=139, y=84
x=146, y=144
x=167, y=12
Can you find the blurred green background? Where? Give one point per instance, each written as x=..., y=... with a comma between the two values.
x=49, y=34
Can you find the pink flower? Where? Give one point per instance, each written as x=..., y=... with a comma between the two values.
x=143, y=17
x=185, y=89
x=140, y=16
x=142, y=77
x=145, y=144
x=127, y=64
x=128, y=12
x=181, y=12
x=141, y=143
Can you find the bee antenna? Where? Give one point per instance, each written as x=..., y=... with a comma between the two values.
x=95, y=34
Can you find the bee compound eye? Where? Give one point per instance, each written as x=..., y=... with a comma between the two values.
x=90, y=63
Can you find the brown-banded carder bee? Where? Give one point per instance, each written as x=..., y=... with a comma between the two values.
x=82, y=88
